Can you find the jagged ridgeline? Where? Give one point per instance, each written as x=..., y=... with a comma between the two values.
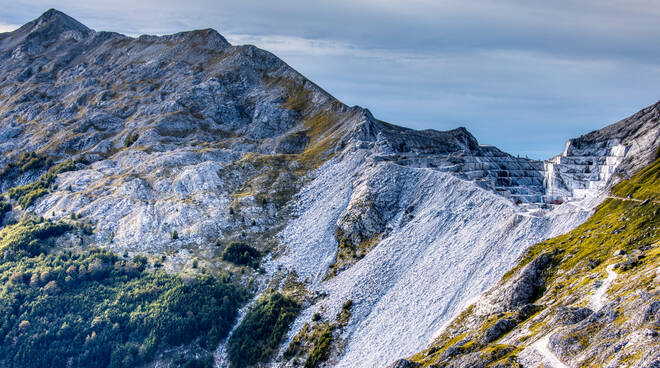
x=589, y=298
x=197, y=183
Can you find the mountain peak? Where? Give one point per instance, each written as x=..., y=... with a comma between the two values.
x=52, y=13
x=48, y=27
x=50, y=24
x=57, y=21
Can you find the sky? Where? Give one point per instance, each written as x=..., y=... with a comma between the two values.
x=524, y=75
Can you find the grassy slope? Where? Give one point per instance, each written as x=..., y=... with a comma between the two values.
x=580, y=260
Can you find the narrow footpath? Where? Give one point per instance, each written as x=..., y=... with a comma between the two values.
x=596, y=301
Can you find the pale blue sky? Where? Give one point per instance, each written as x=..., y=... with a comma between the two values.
x=524, y=75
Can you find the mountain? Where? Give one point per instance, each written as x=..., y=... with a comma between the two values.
x=358, y=239
x=590, y=297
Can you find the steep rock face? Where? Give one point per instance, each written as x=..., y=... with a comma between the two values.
x=188, y=135
x=525, y=288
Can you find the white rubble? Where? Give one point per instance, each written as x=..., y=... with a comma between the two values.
x=458, y=240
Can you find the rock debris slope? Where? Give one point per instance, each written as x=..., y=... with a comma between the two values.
x=588, y=298
x=184, y=142
x=429, y=236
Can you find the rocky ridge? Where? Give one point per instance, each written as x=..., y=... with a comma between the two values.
x=186, y=134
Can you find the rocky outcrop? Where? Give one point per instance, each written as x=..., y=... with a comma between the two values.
x=500, y=327
x=403, y=363
x=524, y=288
x=572, y=315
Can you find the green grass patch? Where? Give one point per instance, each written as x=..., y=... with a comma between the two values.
x=643, y=185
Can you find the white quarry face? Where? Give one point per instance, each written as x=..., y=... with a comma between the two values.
x=582, y=173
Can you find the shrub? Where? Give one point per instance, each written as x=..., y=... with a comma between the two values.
x=131, y=139
x=174, y=235
x=345, y=314
x=27, y=161
x=140, y=262
x=29, y=238
x=35, y=162
x=260, y=333
x=4, y=208
x=315, y=340
x=27, y=194
x=241, y=254
x=31, y=161
x=320, y=346
x=30, y=197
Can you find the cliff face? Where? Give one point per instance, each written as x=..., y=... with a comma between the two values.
x=179, y=145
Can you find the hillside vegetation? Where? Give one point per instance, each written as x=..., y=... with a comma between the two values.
x=260, y=333
x=92, y=308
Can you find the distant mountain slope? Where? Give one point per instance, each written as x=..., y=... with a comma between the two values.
x=589, y=298
x=211, y=158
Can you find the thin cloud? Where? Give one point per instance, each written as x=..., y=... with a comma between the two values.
x=4, y=27
x=280, y=44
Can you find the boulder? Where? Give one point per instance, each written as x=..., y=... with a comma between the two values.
x=403, y=363
x=525, y=288
x=571, y=316
x=497, y=330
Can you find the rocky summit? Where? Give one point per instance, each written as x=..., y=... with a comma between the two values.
x=351, y=242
